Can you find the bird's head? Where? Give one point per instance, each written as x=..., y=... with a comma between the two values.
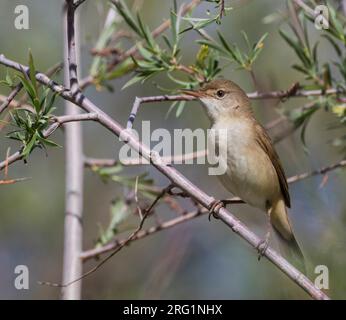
x=222, y=98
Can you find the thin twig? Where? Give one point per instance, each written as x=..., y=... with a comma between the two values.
x=92, y=253
x=88, y=254
x=293, y=91
x=12, y=181
x=323, y=170
x=140, y=100
x=117, y=249
x=10, y=97
x=176, y=159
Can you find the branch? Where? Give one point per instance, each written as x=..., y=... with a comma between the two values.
x=177, y=179
x=343, y=6
x=124, y=243
x=279, y=94
x=16, y=104
x=140, y=100
x=73, y=231
x=11, y=96
x=92, y=253
x=95, y=162
x=323, y=170
x=12, y=181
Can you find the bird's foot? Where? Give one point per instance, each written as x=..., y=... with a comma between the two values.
x=263, y=246
x=215, y=207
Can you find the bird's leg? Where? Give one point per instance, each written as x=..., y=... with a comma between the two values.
x=264, y=243
x=216, y=205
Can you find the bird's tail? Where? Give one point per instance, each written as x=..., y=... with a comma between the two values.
x=288, y=245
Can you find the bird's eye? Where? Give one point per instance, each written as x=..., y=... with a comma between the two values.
x=220, y=93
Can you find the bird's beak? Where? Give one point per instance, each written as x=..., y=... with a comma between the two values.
x=193, y=93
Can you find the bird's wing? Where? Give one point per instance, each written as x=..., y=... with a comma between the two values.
x=266, y=144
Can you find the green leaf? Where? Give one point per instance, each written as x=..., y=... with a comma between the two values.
x=28, y=87
x=30, y=146
x=171, y=107
x=212, y=45
x=132, y=81
x=8, y=79
x=146, y=33
x=103, y=40
x=174, y=28
x=127, y=66
x=110, y=171
x=49, y=142
x=246, y=38
x=333, y=43
x=202, y=55
x=119, y=212
x=32, y=72
x=180, y=108
x=200, y=23
x=297, y=47
x=127, y=16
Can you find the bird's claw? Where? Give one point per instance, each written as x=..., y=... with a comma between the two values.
x=262, y=247
x=215, y=207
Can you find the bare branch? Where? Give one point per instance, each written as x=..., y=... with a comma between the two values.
x=279, y=94
x=323, y=170
x=180, y=158
x=12, y=181
x=11, y=96
x=73, y=231
x=343, y=6
x=92, y=253
x=16, y=104
x=140, y=100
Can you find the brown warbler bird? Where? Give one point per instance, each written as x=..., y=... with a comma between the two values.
x=253, y=169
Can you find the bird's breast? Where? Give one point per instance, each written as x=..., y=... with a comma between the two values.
x=250, y=173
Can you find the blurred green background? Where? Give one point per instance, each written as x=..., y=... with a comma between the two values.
x=196, y=260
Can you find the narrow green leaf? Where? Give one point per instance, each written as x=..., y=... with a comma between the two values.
x=132, y=81
x=32, y=72
x=180, y=108
x=31, y=144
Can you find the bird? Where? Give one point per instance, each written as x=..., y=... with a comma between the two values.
x=253, y=170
